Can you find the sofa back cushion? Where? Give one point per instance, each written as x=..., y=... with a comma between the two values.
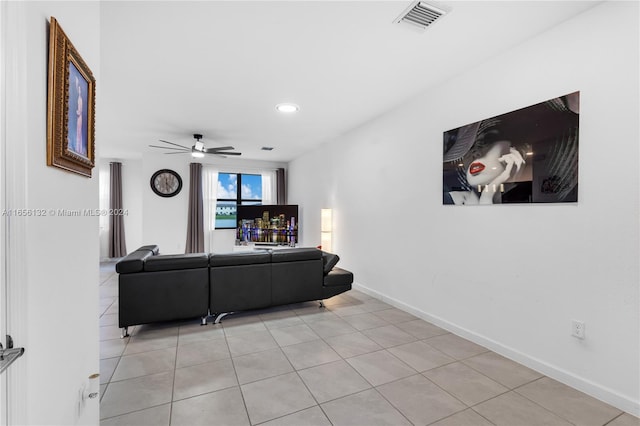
x=295, y=254
x=240, y=258
x=174, y=262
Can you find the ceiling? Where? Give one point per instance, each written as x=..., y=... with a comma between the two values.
x=171, y=69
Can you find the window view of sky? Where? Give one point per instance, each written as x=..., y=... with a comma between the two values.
x=228, y=186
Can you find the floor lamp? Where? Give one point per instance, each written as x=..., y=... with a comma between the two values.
x=326, y=230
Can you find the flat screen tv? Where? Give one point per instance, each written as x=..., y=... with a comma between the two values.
x=272, y=224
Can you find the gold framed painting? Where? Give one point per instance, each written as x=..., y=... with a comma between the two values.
x=70, y=106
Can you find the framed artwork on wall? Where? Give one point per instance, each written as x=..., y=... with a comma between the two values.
x=525, y=156
x=70, y=106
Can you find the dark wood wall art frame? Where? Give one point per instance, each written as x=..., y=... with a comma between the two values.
x=70, y=109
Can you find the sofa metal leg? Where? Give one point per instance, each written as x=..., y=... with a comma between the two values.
x=321, y=303
x=220, y=316
x=124, y=333
x=203, y=320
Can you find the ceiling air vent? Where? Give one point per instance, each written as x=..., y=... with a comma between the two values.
x=420, y=14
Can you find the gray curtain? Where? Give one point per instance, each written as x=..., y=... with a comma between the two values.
x=117, y=246
x=281, y=188
x=195, y=224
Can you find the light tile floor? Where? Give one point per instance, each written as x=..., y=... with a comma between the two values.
x=359, y=361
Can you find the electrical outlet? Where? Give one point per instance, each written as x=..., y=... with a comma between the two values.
x=577, y=329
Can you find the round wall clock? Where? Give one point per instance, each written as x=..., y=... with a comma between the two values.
x=166, y=183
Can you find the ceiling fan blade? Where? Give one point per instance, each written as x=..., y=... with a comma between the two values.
x=168, y=147
x=222, y=148
x=180, y=152
x=171, y=143
x=225, y=153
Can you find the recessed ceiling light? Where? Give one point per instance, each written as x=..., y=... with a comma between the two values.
x=287, y=107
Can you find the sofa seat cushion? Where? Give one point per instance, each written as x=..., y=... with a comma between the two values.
x=172, y=262
x=240, y=258
x=295, y=255
x=338, y=277
x=133, y=262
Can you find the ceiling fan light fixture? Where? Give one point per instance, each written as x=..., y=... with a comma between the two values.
x=197, y=150
x=287, y=108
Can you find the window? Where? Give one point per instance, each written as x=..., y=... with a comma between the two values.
x=235, y=189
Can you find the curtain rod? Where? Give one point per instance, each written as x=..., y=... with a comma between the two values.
x=257, y=169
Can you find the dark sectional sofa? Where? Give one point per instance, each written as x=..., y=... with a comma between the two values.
x=154, y=287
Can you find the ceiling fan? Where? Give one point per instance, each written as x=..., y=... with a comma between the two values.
x=197, y=150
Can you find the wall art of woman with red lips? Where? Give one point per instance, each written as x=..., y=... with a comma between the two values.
x=525, y=156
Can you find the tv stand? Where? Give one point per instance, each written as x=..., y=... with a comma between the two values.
x=262, y=246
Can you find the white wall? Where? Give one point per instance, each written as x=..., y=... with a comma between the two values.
x=165, y=219
x=54, y=260
x=150, y=219
x=510, y=277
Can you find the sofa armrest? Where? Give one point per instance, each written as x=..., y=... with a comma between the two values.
x=133, y=262
x=329, y=260
x=152, y=248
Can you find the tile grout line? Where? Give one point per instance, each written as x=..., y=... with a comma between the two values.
x=173, y=382
x=244, y=402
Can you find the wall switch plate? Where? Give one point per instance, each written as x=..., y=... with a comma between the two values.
x=577, y=329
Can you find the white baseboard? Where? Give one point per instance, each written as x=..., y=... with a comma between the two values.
x=580, y=383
